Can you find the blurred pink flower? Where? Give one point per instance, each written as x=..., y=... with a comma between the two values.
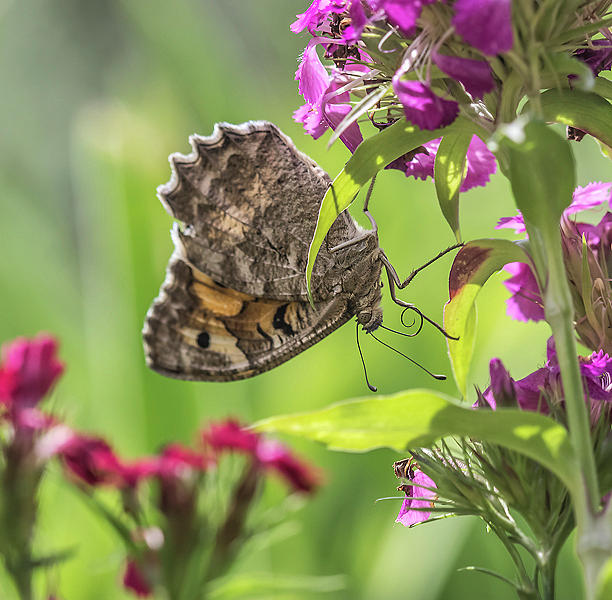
x=134, y=580
x=28, y=370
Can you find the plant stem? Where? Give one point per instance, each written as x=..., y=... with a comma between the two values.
x=594, y=539
x=559, y=311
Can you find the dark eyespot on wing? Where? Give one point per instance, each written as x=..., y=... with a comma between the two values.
x=264, y=335
x=203, y=340
x=279, y=321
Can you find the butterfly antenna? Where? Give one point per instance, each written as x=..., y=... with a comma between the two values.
x=372, y=388
x=414, y=362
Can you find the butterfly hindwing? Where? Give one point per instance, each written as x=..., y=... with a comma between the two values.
x=199, y=329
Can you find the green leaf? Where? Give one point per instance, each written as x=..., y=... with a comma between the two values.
x=473, y=265
x=583, y=110
x=603, y=87
x=542, y=174
x=371, y=156
x=449, y=173
x=418, y=418
x=262, y=585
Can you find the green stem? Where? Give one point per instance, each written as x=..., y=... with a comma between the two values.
x=559, y=310
x=594, y=534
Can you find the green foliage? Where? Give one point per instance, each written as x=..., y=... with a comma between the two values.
x=263, y=585
x=371, y=156
x=449, y=172
x=584, y=110
x=418, y=418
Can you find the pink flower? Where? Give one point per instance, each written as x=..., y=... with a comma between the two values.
x=28, y=370
x=311, y=75
x=316, y=14
x=230, y=435
x=92, y=460
x=422, y=106
x=542, y=388
x=475, y=75
x=134, y=580
x=418, y=500
x=401, y=13
x=266, y=454
x=526, y=302
x=300, y=476
x=485, y=24
x=481, y=163
x=175, y=460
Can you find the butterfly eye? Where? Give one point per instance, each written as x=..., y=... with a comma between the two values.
x=364, y=317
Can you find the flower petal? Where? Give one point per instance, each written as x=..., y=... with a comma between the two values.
x=315, y=14
x=481, y=163
x=485, y=24
x=311, y=75
x=408, y=514
x=475, y=75
x=422, y=107
x=590, y=196
x=525, y=304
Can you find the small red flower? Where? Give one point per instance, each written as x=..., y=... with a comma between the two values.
x=134, y=580
x=175, y=460
x=28, y=370
x=92, y=460
x=300, y=475
x=230, y=435
x=267, y=454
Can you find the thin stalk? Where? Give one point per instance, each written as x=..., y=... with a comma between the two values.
x=559, y=310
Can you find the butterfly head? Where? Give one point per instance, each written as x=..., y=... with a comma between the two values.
x=370, y=318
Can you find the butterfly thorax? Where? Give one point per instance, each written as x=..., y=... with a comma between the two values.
x=361, y=281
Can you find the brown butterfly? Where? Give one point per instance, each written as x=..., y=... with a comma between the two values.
x=234, y=301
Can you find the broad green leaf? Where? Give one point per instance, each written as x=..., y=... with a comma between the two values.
x=371, y=156
x=449, y=172
x=418, y=418
x=473, y=265
x=263, y=585
x=583, y=110
x=542, y=174
x=603, y=87
x=564, y=65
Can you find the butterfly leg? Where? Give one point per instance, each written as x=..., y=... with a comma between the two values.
x=367, y=213
x=396, y=283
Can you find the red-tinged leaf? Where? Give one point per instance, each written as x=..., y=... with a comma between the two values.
x=473, y=265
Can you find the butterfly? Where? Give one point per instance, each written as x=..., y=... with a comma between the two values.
x=234, y=302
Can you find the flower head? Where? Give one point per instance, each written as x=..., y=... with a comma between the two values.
x=583, y=243
x=265, y=454
x=28, y=370
x=542, y=391
x=91, y=460
x=419, y=490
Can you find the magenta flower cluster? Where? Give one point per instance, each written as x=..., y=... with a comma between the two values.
x=338, y=27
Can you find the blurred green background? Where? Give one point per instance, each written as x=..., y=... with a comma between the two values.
x=94, y=96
